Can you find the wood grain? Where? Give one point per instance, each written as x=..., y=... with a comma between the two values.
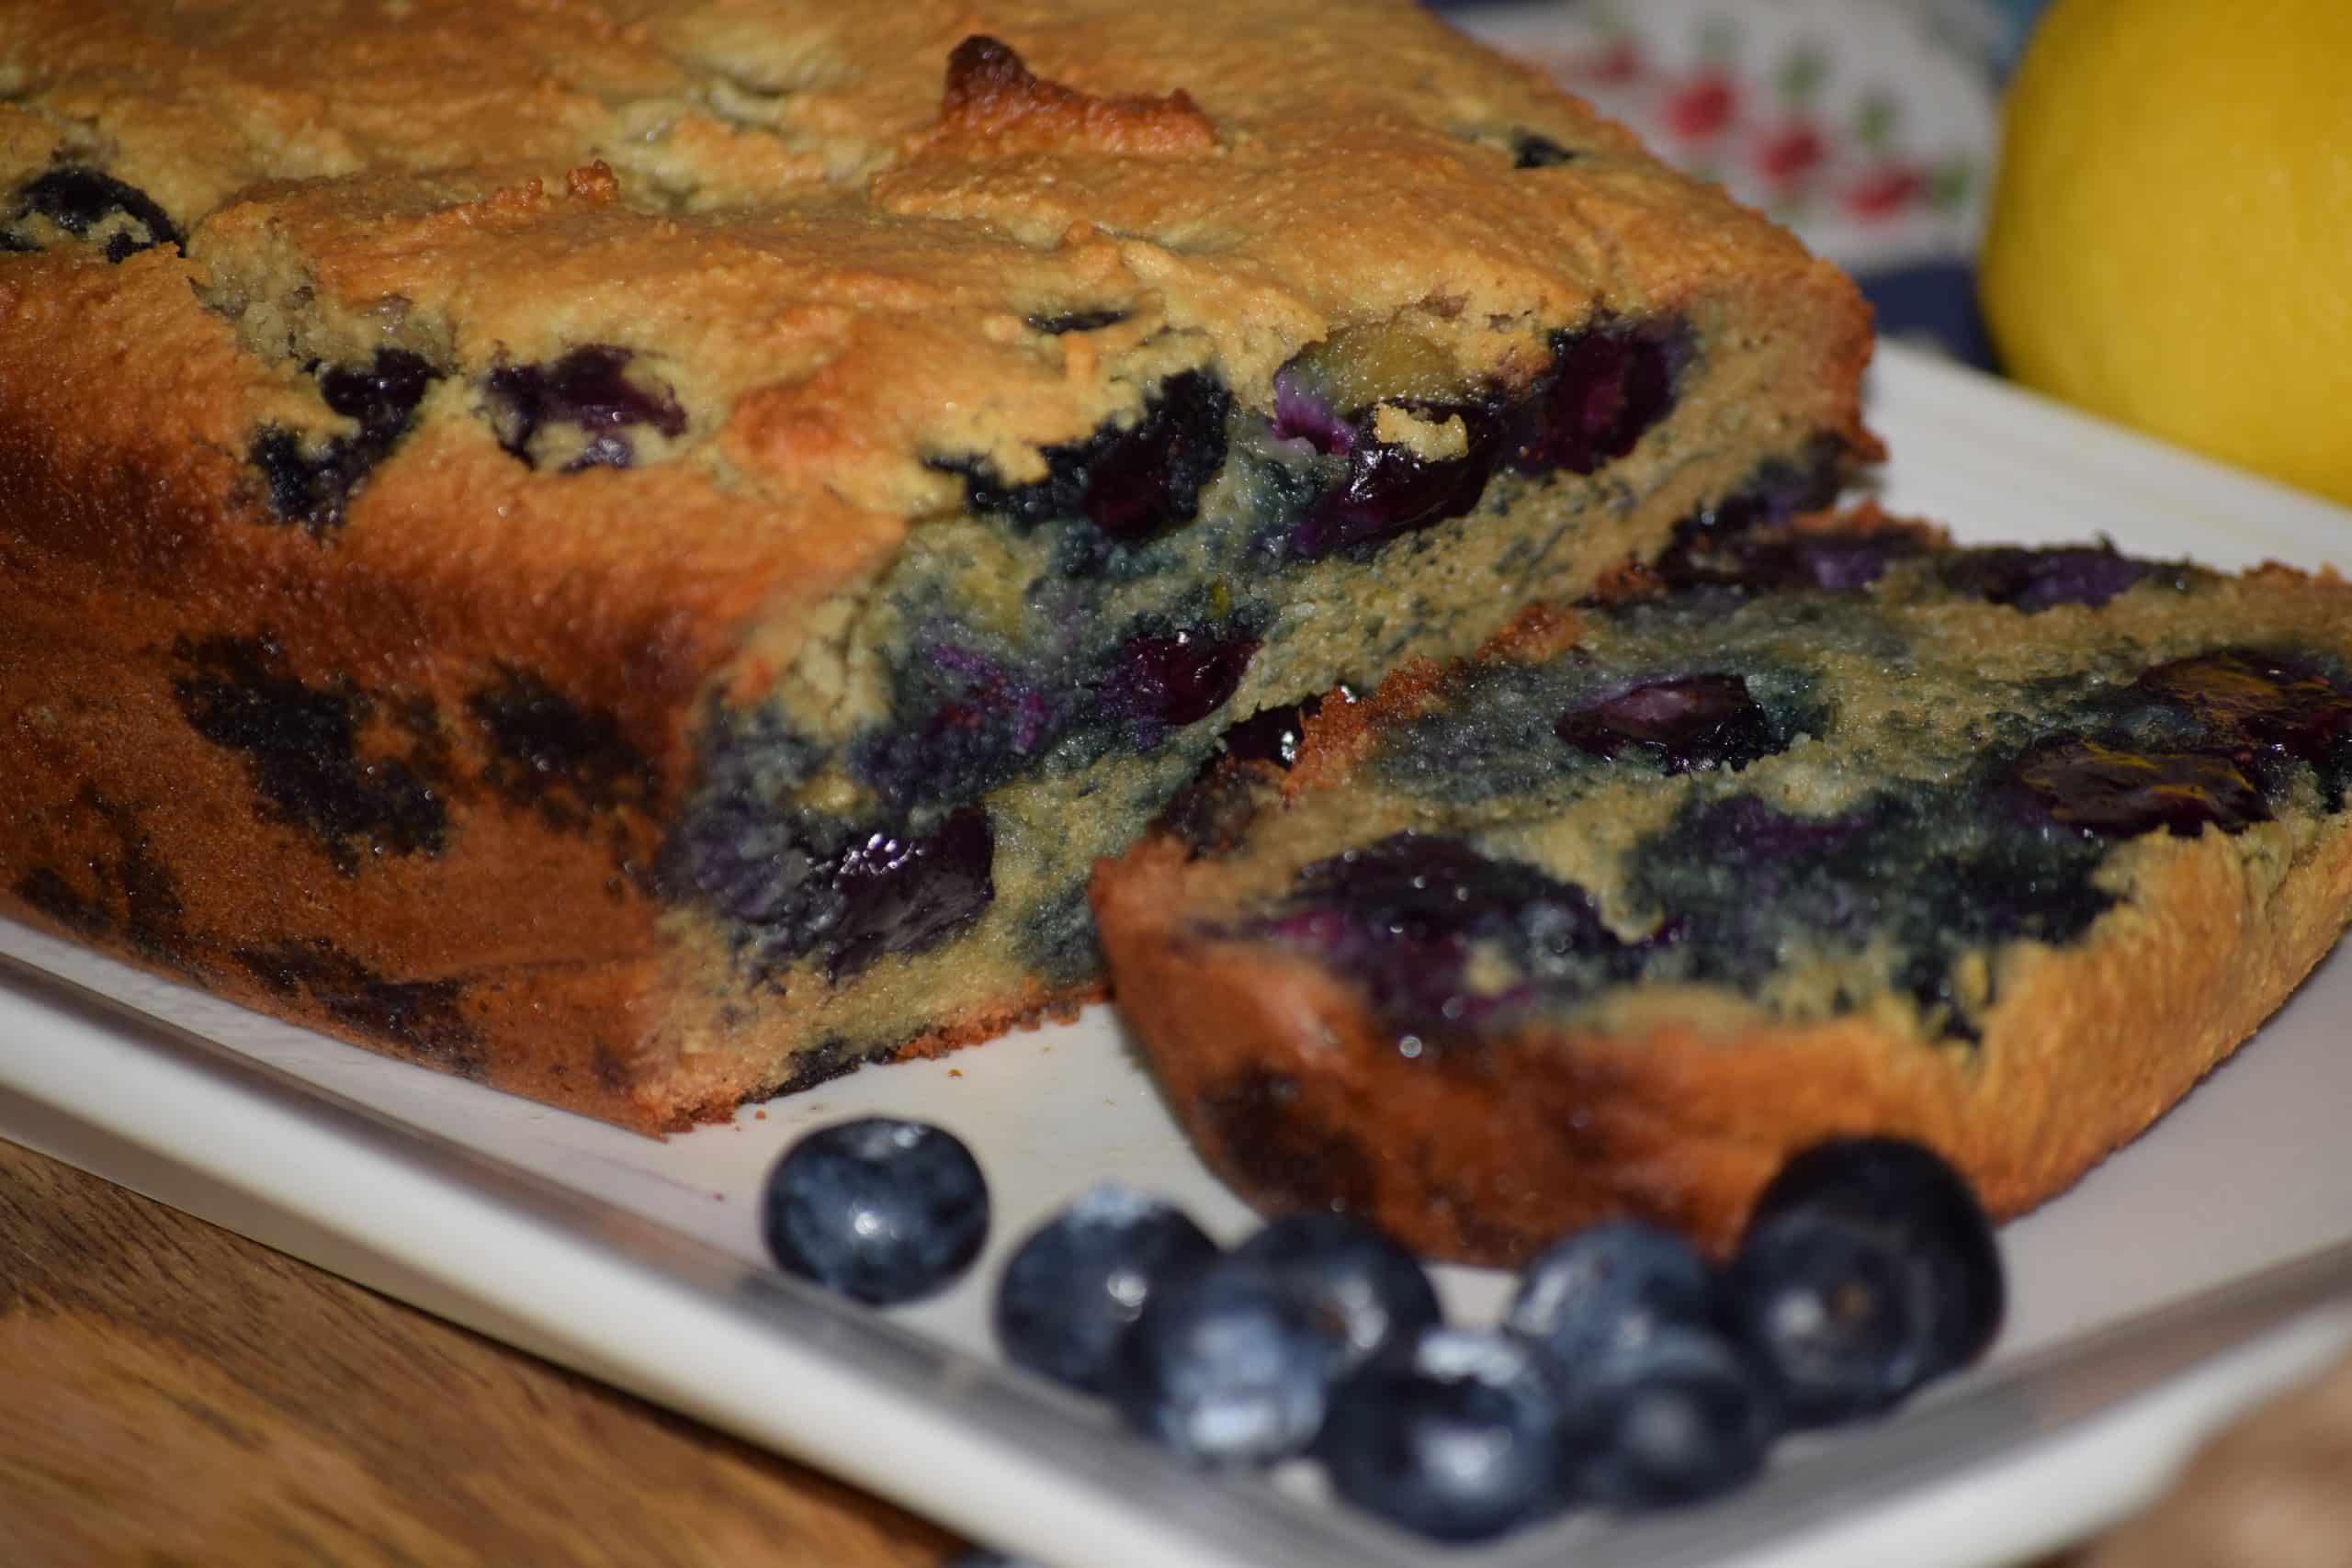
x=172, y=1393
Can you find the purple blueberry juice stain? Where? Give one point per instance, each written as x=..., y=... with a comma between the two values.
x=1068, y=322
x=313, y=484
x=1389, y=489
x=963, y=721
x=1304, y=417
x=801, y=886
x=1925, y=871
x=1682, y=723
x=1405, y=916
x=426, y=1017
x=309, y=753
x=569, y=761
x=1274, y=734
x=1779, y=489
x=1533, y=149
x=1747, y=826
x=588, y=388
x=2119, y=791
x=2281, y=706
x=1758, y=562
x=1609, y=384
x=1133, y=481
x=2037, y=579
x=78, y=199
x=906, y=892
x=381, y=395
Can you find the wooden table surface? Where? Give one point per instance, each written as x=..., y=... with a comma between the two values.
x=172, y=1394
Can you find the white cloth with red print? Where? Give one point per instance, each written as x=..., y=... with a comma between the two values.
x=1867, y=126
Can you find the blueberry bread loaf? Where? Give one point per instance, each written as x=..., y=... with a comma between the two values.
x=1819, y=832
x=639, y=549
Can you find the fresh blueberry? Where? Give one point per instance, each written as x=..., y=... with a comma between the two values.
x=1610, y=1287
x=1453, y=1434
x=881, y=1210
x=1671, y=1418
x=1081, y=1281
x=588, y=387
x=77, y=199
x=2116, y=790
x=1682, y=723
x=1173, y=680
x=1867, y=1268
x=1367, y=1288
x=1228, y=1364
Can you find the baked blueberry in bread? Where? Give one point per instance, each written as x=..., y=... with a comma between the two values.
x=638, y=550
x=1813, y=831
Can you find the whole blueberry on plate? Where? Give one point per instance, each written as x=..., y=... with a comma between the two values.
x=1609, y=1287
x=1867, y=1268
x=1673, y=1416
x=1228, y=1364
x=1078, y=1282
x=1454, y=1434
x=881, y=1210
x=1363, y=1285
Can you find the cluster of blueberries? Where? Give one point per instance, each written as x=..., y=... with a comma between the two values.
x=1628, y=1373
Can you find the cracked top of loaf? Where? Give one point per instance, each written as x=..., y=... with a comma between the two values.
x=843, y=239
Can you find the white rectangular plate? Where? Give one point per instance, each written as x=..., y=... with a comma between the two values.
x=2195, y=1271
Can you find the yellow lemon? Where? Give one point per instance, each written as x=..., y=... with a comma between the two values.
x=2171, y=234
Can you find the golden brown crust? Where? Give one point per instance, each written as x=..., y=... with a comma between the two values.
x=1293, y=1094
x=993, y=97
x=766, y=193
x=1293, y=1090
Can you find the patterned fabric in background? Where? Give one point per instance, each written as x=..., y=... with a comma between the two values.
x=1869, y=127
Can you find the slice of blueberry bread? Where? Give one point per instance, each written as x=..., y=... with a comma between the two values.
x=639, y=549
x=1814, y=833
